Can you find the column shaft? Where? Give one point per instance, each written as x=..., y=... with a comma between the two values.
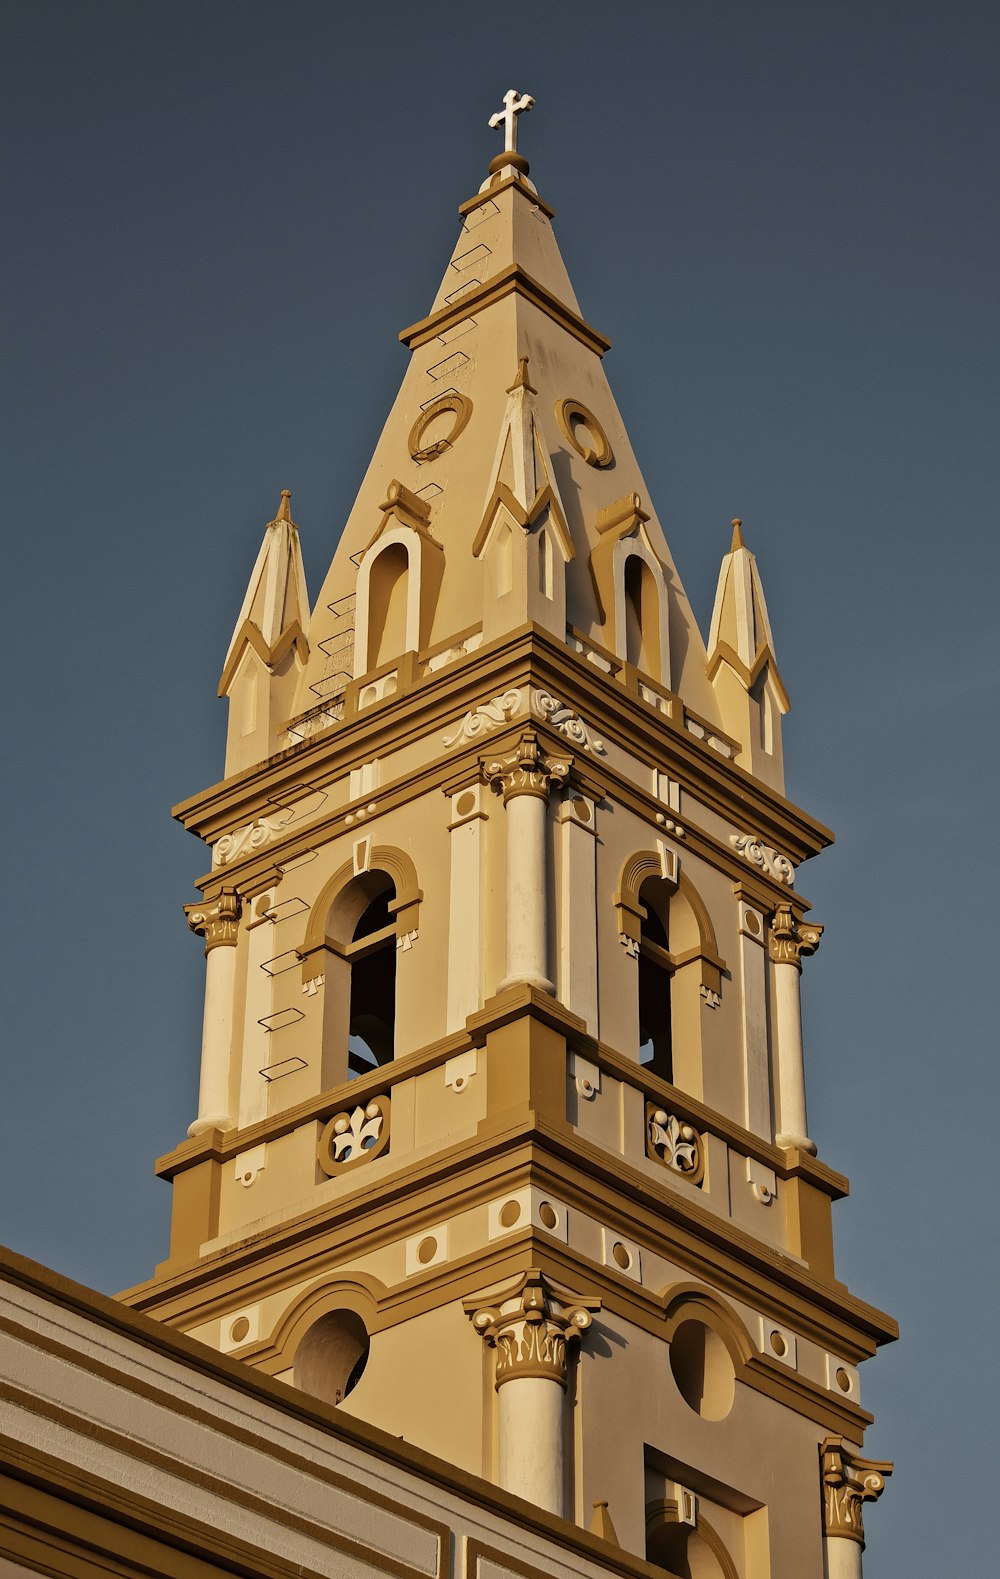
x=526, y=951
x=532, y=1462
x=216, y=1040
x=793, y=1130
x=843, y=1558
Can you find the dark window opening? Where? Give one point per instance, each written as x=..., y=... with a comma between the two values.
x=655, y=972
x=371, y=1029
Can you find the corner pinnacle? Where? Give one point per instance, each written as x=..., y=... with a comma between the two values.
x=521, y=380
x=737, y=541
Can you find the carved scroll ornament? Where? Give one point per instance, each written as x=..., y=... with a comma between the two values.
x=763, y=857
x=499, y=710
x=482, y=720
x=251, y=837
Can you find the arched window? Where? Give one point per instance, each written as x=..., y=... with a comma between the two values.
x=666, y=928
x=642, y=617
x=331, y=1357
x=655, y=971
x=388, y=594
x=349, y=955
x=371, y=954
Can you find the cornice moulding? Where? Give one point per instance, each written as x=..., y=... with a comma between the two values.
x=525, y=656
x=661, y=1220
x=511, y=280
x=490, y=192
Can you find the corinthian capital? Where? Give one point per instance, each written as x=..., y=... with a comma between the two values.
x=526, y=771
x=792, y=939
x=848, y=1483
x=216, y=920
x=533, y=1331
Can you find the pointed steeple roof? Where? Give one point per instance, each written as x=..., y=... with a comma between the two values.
x=552, y=431
x=275, y=612
x=741, y=630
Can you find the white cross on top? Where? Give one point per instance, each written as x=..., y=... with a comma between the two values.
x=514, y=103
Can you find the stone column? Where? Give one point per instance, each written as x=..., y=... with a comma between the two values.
x=217, y=921
x=848, y=1483
x=533, y=1334
x=789, y=940
x=524, y=779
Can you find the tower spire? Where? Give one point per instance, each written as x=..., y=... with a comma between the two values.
x=269, y=646
x=742, y=665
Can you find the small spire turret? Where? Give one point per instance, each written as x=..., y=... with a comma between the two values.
x=742, y=666
x=269, y=647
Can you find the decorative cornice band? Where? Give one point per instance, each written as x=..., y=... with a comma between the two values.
x=510, y=280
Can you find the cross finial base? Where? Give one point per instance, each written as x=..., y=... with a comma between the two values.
x=510, y=158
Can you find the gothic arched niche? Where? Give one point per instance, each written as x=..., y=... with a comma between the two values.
x=642, y=617
x=388, y=605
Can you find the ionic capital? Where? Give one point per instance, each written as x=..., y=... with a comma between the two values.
x=526, y=771
x=533, y=1332
x=848, y=1483
x=216, y=920
x=790, y=939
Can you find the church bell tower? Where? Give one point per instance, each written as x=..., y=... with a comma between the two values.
x=501, y=1142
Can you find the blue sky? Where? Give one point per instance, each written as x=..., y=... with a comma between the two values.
x=784, y=216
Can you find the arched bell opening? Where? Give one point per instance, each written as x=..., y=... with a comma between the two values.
x=371, y=954
x=655, y=972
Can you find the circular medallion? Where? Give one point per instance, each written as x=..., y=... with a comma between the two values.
x=584, y=432
x=421, y=444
